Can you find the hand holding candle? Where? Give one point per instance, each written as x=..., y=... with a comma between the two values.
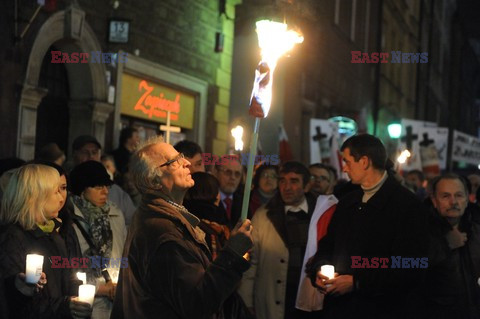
x=86, y=293
x=80, y=309
x=28, y=289
x=34, y=268
x=328, y=271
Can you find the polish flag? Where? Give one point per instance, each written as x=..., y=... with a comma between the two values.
x=308, y=297
x=284, y=150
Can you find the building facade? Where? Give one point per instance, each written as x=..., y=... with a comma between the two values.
x=182, y=51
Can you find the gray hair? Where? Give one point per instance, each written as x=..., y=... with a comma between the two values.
x=144, y=166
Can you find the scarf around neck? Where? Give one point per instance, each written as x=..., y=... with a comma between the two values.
x=48, y=227
x=98, y=222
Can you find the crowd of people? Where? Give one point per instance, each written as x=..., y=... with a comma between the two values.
x=159, y=234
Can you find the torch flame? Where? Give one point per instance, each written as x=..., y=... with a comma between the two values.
x=402, y=158
x=274, y=41
x=237, y=134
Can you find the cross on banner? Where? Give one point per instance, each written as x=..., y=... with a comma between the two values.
x=426, y=141
x=409, y=138
x=318, y=138
x=168, y=128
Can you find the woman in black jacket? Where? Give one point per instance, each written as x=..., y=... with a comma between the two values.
x=30, y=206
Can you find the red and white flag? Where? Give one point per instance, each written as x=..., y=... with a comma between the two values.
x=308, y=297
x=284, y=150
x=262, y=92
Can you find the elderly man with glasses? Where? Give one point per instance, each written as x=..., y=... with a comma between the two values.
x=170, y=271
x=229, y=173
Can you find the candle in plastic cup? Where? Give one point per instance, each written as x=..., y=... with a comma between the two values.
x=328, y=270
x=34, y=268
x=86, y=293
x=82, y=276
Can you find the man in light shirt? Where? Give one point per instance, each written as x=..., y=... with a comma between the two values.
x=280, y=235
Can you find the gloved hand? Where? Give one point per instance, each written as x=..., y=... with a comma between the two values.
x=240, y=240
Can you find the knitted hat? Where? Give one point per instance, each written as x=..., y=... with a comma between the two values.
x=88, y=174
x=82, y=140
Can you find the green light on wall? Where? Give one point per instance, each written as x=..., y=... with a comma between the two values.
x=394, y=130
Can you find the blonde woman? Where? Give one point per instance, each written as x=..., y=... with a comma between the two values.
x=30, y=206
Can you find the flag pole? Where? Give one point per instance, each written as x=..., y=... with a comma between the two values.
x=250, y=164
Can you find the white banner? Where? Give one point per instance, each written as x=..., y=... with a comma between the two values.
x=437, y=138
x=412, y=135
x=321, y=133
x=409, y=140
x=466, y=148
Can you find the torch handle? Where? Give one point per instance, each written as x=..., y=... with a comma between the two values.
x=251, y=162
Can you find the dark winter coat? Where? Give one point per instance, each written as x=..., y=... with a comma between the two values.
x=53, y=300
x=170, y=273
x=392, y=223
x=451, y=289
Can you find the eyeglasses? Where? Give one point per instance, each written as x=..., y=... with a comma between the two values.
x=267, y=175
x=230, y=173
x=320, y=178
x=178, y=157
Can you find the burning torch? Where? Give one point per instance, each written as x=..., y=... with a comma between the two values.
x=274, y=41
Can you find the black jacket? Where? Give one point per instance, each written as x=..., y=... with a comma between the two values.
x=53, y=300
x=170, y=274
x=451, y=289
x=392, y=223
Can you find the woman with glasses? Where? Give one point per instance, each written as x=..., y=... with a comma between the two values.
x=265, y=184
x=100, y=229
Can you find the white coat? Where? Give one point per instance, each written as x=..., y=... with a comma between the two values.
x=269, y=264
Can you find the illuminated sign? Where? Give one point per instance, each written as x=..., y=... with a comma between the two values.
x=151, y=101
x=346, y=126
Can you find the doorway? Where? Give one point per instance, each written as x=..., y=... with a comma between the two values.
x=53, y=112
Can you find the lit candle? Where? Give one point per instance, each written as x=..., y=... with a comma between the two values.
x=82, y=276
x=328, y=271
x=114, y=275
x=34, y=268
x=86, y=293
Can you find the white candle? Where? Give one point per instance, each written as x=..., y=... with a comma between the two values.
x=86, y=293
x=114, y=275
x=82, y=276
x=328, y=271
x=34, y=268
